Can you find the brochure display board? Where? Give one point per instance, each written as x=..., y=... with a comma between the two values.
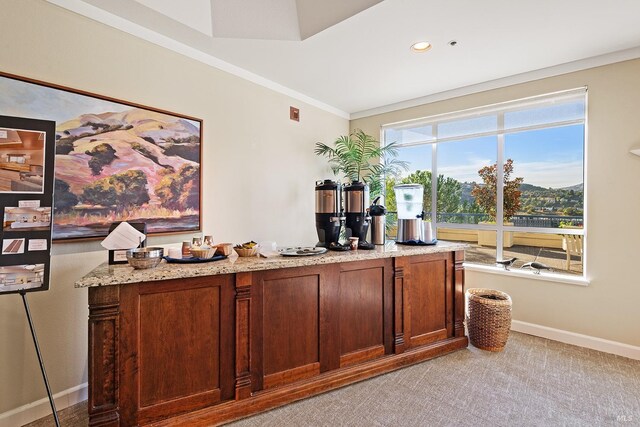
x=27, y=152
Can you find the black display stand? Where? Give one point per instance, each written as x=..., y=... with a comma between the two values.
x=23, y=294
x=27, y=156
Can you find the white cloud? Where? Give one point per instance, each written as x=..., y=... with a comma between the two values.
x=467, y=172
x=550, y=174
x=542, y=174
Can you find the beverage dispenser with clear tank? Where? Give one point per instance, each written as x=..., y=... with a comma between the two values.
x=409, y=198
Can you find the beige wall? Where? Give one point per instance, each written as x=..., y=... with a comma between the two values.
x=259, y=168
x=608, y=307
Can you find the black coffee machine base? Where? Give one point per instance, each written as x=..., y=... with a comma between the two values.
x=366, y=245
x=333, y=246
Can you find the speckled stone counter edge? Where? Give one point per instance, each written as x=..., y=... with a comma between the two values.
x=109, y=275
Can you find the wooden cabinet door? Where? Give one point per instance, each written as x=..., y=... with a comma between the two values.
x=365, y=310
x=427, y=298
x=285, y=326
x=309, y=320
x=176, y=344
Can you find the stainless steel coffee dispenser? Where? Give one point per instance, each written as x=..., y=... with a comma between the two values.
x=329, y=215
x=378, y=222
x=356, y=196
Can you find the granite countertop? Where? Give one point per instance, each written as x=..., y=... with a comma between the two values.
x=106, y=275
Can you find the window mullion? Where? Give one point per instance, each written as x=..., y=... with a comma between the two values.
x=434, y=181
x=500, y=189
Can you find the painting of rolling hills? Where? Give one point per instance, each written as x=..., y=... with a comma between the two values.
x=114, y=161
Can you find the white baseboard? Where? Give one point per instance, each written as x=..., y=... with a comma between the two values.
x=606, y=346
x=41, y=408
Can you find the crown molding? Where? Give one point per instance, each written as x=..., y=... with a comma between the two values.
x=569, y=67
x=104, y=17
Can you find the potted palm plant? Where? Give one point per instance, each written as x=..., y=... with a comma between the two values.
x=361, y=158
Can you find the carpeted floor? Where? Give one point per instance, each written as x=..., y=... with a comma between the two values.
x=533, y=382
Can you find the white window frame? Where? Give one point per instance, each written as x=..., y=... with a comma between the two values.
x=500, y=109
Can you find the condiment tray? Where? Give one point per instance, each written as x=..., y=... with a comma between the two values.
x=302, y=251
x=192, y=260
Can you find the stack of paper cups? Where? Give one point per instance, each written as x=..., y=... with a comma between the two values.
x=175, y=253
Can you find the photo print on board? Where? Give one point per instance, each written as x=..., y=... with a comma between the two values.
x=21, y=161
x=21, y=276
x=12, y=246
x=27, y=219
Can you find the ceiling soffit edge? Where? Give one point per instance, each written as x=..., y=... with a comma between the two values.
x=556, y=70
x=114, y=21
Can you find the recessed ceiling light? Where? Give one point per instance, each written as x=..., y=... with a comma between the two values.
x=421, y=46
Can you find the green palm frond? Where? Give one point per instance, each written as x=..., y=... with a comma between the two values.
x=359, y=157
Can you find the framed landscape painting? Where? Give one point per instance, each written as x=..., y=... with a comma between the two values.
x=115, y=161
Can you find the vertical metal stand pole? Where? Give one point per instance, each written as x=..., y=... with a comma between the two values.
x=35, y=343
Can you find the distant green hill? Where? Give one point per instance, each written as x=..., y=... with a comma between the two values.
x=567, y=200
x=536, y=199
x=577, y=187
x=529, y=187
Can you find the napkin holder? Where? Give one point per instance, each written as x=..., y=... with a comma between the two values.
x=120, y=256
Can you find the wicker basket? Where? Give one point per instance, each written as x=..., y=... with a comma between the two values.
x=203, y=253
x=224, y=249
x=244, y=252
x=488, y=318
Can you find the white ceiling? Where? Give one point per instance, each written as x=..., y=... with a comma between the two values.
x=355, y=58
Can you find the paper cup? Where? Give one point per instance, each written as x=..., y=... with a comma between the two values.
x=353, y=243
x=175, y=253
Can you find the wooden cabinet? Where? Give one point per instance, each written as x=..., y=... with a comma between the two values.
x=429, y=299
x=364, y=302
x=311, y=320
x=167, y=348
x=286, y=336
x=230, y=345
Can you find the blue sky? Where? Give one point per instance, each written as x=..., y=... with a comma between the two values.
x=550, y=157
x=23, y=99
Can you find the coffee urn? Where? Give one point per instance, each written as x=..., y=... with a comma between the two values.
x=356, y=196
x=329, y=215
x=378, y=222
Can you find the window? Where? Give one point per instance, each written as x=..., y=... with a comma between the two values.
x=16, y=158
x=510, y=178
